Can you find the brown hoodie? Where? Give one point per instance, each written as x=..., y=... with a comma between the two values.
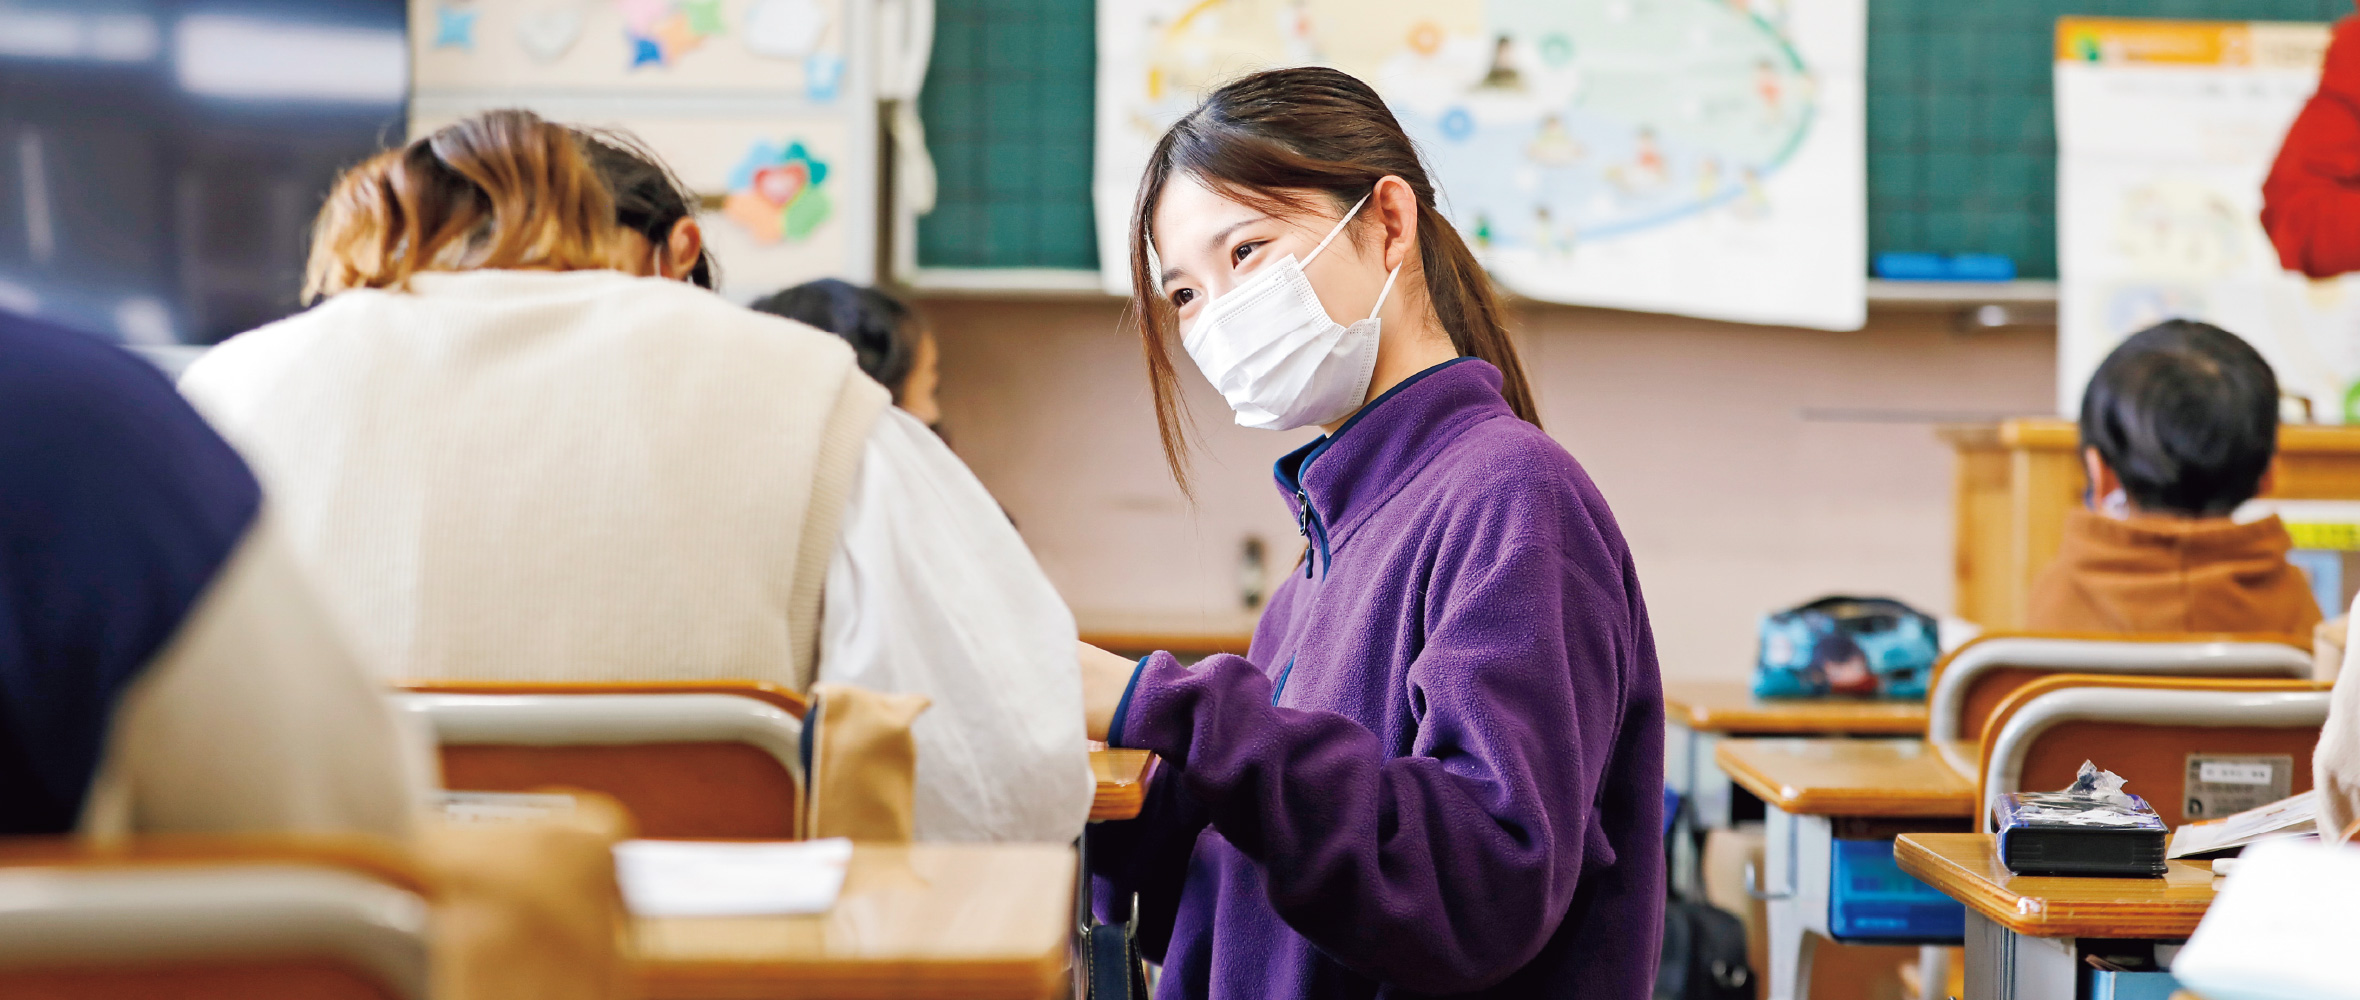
x=2155, y=574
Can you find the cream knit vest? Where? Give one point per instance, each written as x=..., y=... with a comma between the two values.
x=512, y=475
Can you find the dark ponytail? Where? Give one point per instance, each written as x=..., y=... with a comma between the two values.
x=1263, y=139
x=649, y=200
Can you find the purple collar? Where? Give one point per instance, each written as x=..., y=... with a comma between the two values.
x=1334, y=482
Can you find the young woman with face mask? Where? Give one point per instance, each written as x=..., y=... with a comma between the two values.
x=1439, y=767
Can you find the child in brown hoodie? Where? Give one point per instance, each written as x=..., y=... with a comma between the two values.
x=2178, y=427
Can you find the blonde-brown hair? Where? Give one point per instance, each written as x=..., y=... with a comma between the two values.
x=501, y=189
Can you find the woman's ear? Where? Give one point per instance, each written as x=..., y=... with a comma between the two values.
x=1397, y=206
x=682, y=248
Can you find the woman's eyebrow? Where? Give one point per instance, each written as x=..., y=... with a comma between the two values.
x=1214, y=243
x=1221, y=237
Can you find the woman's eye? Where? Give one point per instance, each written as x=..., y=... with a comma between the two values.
x=1243, y=251
x=1183, y=297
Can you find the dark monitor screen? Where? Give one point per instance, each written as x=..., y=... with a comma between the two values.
x=161, y=160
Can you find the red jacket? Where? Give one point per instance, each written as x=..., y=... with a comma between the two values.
x=2311, y=200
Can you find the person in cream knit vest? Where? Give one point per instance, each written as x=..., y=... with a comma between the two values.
x=503, y=458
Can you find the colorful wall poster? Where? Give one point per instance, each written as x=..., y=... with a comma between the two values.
x=750, y=101
x=1702, y=157
x=2165, y=130
x=639, y=45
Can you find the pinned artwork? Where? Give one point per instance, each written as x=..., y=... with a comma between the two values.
x=785, y=29
x=548, y=33
x=454, y=27
x=661, y=31
x=823, y=76
x=777, y=193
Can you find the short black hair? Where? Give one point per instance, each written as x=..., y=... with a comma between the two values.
x=649, y=200
x=882, y=330
x=2186, y=414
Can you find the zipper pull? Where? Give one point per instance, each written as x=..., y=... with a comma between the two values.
x=1303, y=526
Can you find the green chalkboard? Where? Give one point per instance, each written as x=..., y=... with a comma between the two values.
x=1962, y=145
x=1007, y=106
x=1962, y=134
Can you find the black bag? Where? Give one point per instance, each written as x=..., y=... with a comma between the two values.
x=1115, y=972
x=1703, y=954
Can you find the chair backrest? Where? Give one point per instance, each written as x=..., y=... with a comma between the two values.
x=718, y=759
x=2151, y=731
x=201, y=919
x=1976, y=677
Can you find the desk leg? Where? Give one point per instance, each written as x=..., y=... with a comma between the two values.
x=1708, y=785
x=1679, y=765
x=1796, y=855
x=2005, y=965
x=1790, y=956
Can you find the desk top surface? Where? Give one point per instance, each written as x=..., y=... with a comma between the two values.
x=1730, y=707
x=917, y=921
x=1122, y=781
x=1966, y=866
x=1838, y=777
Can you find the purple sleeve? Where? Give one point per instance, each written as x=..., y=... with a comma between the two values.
x=1448, y=870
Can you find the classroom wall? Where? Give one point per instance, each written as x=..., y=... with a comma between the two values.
x=1752, y=468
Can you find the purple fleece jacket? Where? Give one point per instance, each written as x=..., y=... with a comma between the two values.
x=1439, y=769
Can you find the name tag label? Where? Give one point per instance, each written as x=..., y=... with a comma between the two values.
x=2219, y=785
x=2235, y=772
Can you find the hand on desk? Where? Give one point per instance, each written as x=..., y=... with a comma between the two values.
x=1104, y=678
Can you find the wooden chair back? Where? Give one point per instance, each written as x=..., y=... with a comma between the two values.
x=1972, y=680
x=2151, y=731
x=211, y=918
x=687, y=759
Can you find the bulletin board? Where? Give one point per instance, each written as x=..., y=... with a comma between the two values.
x=2166, y=128
x=1961, y=131
x=765, y=109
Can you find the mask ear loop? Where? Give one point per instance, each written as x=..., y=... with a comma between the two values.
x=1331, y=237
x=1333, y=233
x=1387, y=290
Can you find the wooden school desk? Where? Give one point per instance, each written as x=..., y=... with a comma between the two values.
x=2026, y=936
x=914, y=922
x=1730, y=708
x=1699, y=714
x=1820, y=791
x=1122, y=781
x=2017, y=479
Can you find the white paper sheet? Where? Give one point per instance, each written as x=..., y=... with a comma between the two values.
x=2281, y=928
x=673, y=878
x=2291, y=816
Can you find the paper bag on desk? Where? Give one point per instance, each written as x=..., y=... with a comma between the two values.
x=2281, y=928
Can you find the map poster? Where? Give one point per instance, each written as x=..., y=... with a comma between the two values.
x=2165, y=130
x=1701, y=157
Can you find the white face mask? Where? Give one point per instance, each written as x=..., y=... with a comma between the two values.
x=1274, y=353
